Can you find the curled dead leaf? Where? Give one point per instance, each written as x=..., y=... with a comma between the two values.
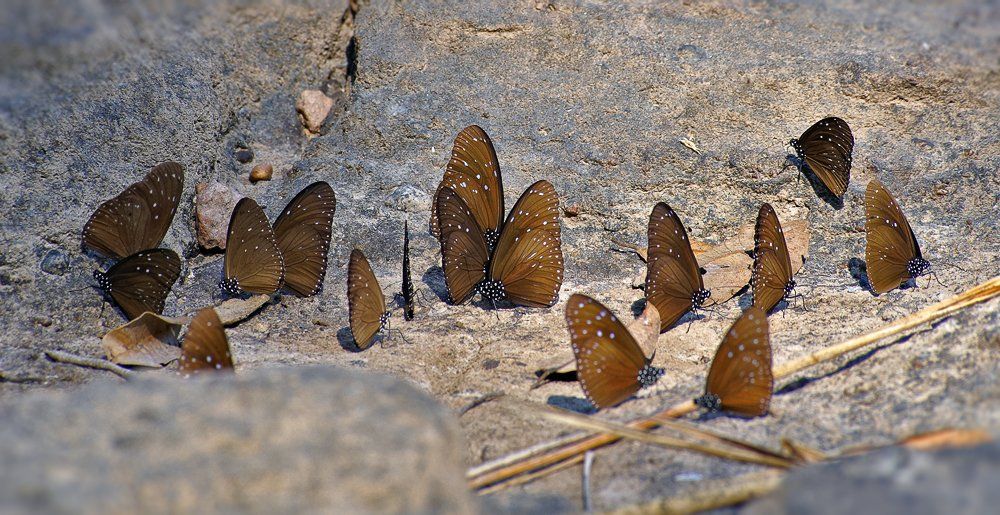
x=148, y=341
x=234, y=311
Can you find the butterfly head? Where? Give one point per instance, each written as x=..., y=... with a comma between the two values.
x=231, y=286
x=384, y=319
x=102, y=280
x=649, y=375
x=794, y=143
x=917, y=267
x=492, y=290
x=789, y=288
x=491, y=236
x=709, y=401
x=699, y=297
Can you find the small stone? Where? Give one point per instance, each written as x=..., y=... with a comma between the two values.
x=490, y=364
x=243, y=155
x=55, y=262
x=313, y=107
x=409, y=199
x=261, y=172
x=571, y=211
x=214, y=204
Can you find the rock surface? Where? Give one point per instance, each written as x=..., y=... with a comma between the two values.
x=594, y=97
x=302, y=440
x=214, y=204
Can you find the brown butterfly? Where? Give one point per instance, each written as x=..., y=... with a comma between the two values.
x=673, y=279
x=474, y=174
x=892, y=254
x=365, y=301
x=141, y=282
x=407, y=281
x=826, y=148
x=205, y=347
x=610, y=364
x=139, y=217
x=525, y=267
x=253, y=262
x=771, y=279
x=740, y=379
x=303, y=232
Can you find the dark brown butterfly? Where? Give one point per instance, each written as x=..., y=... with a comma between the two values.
x=141, y=281
x=673, y=280
x=740, y=379
x=365, y=301
x=526, y=267
x=303, y=232
x=892, y=254
x=253, y=261
x=609, y=363
x=139, y=217
x=826, y=148
x=205, y=347
x=772, y=267
x=407, y=281
x=474, y=174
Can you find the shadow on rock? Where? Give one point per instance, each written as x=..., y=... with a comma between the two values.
x=577, y=404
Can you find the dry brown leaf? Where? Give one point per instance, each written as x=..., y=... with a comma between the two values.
x=727, y=275
x=645, y=329
x=148, y=341
x=234, y=311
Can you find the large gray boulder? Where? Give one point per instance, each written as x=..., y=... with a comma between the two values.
x=303, y=440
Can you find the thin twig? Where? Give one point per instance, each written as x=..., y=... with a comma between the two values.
x=100, y=364
x=479, y=401
x=588, y=462
x=718, y=494
x=541, y=462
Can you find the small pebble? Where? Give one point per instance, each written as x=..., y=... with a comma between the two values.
x=243, y=155
x=313, y=106
x=261, y=172
x=490, y=364
x=571, y=211
x=55, y=262
x=214, y=204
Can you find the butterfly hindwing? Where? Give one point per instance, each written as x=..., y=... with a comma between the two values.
x=141, y=282
x=772, y=267
x=672, y=274
x=366, y=303
x=608, y=359
x=253, y=262
x=139, y=217
x=464, y=254
x=740, y=376
x=827, y=147
x=205, y=346
x=890, y=244
x=528, y=258
x=303, y=233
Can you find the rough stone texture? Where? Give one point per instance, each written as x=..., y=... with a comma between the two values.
x=303, y=440
x=892, y=481
x=594, y=97
x=313, y=106
x=214, y=204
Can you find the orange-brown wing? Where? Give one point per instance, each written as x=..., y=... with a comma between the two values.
x=252, y=255
x=205, y=347
x=672, y=274
x=528, y=259
x=740, y=374
x=464, y=254
x=608, y=359
x=139, y=217
x=772, y=266
x=365, y=301
x=890, y=243
x=141, y=282
x=826, y=147
x=474, y=174
x=303, y=232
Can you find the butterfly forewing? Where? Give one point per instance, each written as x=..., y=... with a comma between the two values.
x=772, y=267
x=365, y=300
x=528, y=259
x=672, y=274
x=141, y=282
x=826, y=147
x=464, y=254
x=608, y=359
x=890, y=243
x=139, y=217
x=303, y=232
x=205, y=347
x=253, y=259
x=474, y=174
x=740, y=375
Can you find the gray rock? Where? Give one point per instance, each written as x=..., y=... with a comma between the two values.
x=896, y=480
x=55, y=262
x=304, y=440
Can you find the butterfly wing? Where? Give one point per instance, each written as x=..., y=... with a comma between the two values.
x=365, y=301
x=672, y=274
x=303, y=232
x=464, y=254
x=826, y=147
x=740, y=374
x=528, y=259
x=608, y=359
x=772, y=266
x=407, y=281
x=141, y=282
x=139, y=217
x=205, y=346
x=474, y=174
x=252, y=255
x=890, y=243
